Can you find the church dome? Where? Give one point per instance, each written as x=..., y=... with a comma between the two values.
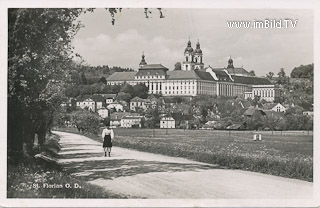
x=198, y=50
x=189, y=48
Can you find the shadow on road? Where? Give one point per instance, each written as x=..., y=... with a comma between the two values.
x=114, y=168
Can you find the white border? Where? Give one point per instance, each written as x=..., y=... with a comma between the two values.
x=253, y=4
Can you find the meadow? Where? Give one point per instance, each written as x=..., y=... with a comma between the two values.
x=288, y=154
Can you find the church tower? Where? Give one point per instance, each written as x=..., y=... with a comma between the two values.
x=230, y=63
x=197, y=58
x=143, y=61
x=188, y=58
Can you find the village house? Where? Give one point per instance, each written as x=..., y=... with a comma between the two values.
x=277, y=107
x=115, y=118
x=110, y=98
x=137, y=102
x=131, y=121
x=115, y=105
x=308, y=113
x=90, y=102
x=103, y=112
x=167, y=122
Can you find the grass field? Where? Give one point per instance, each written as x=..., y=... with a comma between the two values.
x=289, y=155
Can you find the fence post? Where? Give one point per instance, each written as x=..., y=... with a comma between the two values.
x=153, y=132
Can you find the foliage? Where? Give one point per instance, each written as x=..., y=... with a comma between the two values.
x=39, y=56
x=303, y=71
x=86, y=121
x=83, y=78
x=140, y=90
x=282, y=78
x=270, y=75
x=177, y=66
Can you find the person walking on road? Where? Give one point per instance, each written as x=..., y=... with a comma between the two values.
x=107, y=137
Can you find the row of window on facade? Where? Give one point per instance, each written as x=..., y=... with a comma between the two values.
x=150, y=77
x=264, y=93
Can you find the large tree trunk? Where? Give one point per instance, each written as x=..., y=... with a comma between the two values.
x=15, y=132
x=28, y=134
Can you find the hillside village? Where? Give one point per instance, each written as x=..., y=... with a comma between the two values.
x=193, y=96
x=184, y=112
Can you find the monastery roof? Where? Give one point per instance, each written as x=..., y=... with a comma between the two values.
x=153, y=66
x=251, y=80
x=147, y=72
x=233, y=71
x=121, y=76
x=197, y=75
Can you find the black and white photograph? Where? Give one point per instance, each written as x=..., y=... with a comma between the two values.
x=149, y=104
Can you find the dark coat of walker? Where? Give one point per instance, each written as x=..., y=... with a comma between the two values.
x=107, y=141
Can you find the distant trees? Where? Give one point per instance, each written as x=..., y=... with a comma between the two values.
x=83, y=78
x=282, y=78
x=302, y=71
x=270, y=75
x=103, y=80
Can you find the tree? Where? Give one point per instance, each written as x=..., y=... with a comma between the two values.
x=282, y=78
x=103, y=80
x=124, y=96
x=83, y=78
x=252, y=73
x=177, y=66
x=140, y=90
x=127, y=88
x=39, y=64
x=86, y=121
x=303, y=71
x=270, y=75
x=39, y=55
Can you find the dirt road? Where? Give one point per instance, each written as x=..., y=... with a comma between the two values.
x=146, y=175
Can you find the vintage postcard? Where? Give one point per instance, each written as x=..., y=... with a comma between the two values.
x=159, y=104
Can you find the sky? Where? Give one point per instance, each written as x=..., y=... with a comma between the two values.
x=163, y=40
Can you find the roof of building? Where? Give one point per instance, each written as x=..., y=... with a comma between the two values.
x=151, y=72
x=95, y=98
x=167, y=118
x=235, y=71
x=251, y=110
x=269, y=105
x=119, y=115
x=195, y=75
x=132, y=117
x=251, y=80
x=153, y=66
x=121, y=76
x=137, y=99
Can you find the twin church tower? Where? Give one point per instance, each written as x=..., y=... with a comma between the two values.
x=192, y=58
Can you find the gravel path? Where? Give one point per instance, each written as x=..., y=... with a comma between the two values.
x=147, y=175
